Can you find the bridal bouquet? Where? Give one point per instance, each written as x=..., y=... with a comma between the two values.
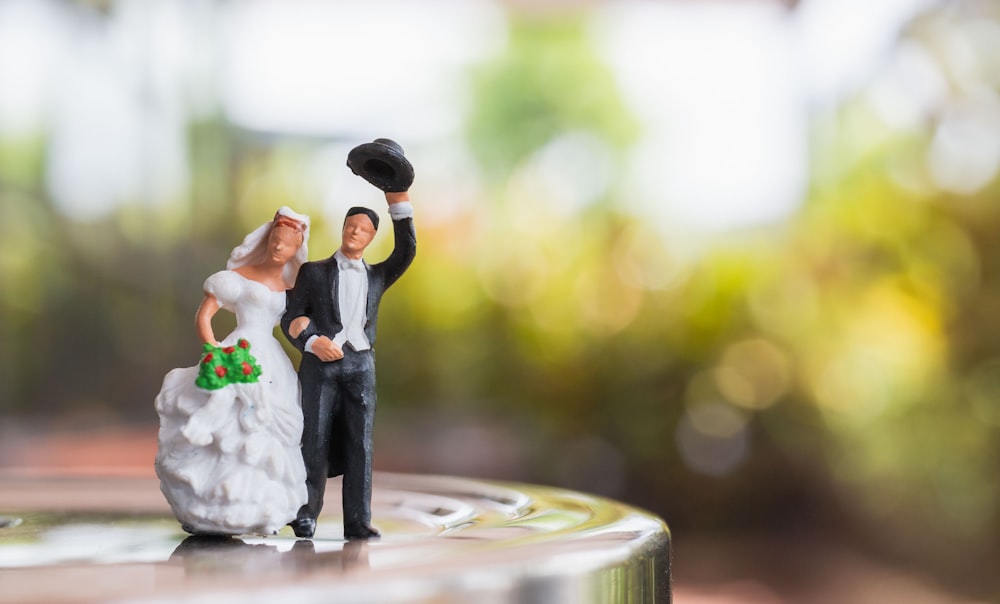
x=220, y=366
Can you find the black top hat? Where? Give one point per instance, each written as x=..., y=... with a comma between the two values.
x=382, y=163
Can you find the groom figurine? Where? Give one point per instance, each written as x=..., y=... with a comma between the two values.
x=331, y=316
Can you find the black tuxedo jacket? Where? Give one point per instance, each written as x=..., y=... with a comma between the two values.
x=315, y=291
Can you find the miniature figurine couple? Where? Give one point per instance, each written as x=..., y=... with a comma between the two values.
x=253, y=455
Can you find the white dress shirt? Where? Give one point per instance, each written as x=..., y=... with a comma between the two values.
x=352, y=294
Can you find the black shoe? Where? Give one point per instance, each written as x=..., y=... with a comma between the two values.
x=363, y=531
x=304, y=528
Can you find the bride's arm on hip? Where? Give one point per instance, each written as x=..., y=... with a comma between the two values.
x=203, y=319
x=297, y=326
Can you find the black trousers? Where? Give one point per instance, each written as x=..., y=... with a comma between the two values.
x=338, y=408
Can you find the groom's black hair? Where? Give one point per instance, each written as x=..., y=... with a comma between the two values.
x=361, y=210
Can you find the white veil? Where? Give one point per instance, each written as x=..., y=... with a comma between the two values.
x=254, y=245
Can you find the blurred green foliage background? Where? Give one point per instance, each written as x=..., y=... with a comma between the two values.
x=837, y=367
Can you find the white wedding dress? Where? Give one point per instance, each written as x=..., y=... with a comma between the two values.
x=229, y=460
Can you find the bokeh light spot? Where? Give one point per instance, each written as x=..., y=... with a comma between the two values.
x=754, y=373
x=712, y=454
x=717, y=419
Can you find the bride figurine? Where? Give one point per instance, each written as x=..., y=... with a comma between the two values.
x=229, y=457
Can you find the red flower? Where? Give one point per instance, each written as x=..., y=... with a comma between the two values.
x=243, y=343
x=220, y=371
x=207, y=359
x=247, y=368
x=229, y=349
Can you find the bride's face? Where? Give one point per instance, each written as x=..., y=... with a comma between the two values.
x=282, y=244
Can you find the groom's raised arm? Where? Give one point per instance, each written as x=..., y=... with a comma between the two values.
x=405, y=237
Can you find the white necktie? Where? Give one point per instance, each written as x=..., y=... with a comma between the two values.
x=346, y=264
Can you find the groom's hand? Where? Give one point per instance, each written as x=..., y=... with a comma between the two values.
x=326, y=349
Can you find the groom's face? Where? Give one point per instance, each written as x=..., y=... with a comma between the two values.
x=358, y=233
